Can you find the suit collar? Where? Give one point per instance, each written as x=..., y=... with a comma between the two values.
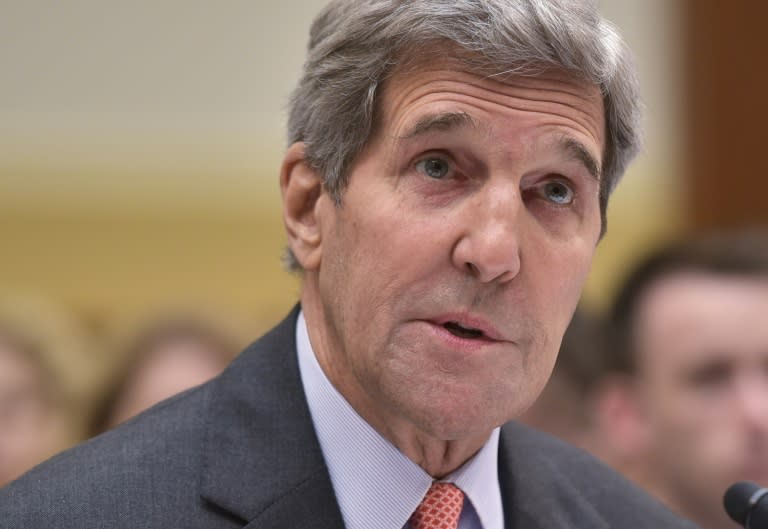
x=537, y=492
x=261, y=459
x=262, y=462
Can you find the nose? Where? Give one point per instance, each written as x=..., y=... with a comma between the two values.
x=753, y=400
x=489, y=245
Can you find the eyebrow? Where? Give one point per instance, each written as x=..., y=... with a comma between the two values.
x=577, y=150
x=446, y=121
x=439, y=122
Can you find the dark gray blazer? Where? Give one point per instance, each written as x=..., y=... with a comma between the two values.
x=241, y=451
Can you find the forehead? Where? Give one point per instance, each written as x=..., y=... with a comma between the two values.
x=691, y=317
x=551, y=98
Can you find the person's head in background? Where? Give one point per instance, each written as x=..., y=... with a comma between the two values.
x=565, y=407
x=689, y=358
x=162, y=359
x=33, y=405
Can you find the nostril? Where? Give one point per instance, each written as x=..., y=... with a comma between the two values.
x=488, y=275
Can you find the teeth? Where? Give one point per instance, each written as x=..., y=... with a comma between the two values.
x=461, y=331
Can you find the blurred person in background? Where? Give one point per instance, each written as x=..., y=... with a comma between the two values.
x=566, y=406
x=163, y=358
x=689, y=372
x=38, y=415
x=584, y=403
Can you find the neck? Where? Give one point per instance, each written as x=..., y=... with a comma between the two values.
x=435, y=455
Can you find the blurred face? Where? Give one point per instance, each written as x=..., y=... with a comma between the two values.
x=170, y=368
x=703, y=352
x=30, y=430
x=450, y=272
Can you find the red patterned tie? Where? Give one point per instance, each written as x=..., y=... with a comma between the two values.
x=440, y=508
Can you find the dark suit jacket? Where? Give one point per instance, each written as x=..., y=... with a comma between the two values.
x=241, y=451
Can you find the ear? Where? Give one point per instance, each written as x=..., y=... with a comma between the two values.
x=621, y=417
x=301, y=188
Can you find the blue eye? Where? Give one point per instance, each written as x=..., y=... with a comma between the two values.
x=436, y=168
x=558, y=192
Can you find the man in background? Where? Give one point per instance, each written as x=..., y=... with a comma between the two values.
x=566, y=406
x=584, y=402
x=689, y=372
x=443, y=193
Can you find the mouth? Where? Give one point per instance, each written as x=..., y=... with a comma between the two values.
x=468, y=327
x=461, y=331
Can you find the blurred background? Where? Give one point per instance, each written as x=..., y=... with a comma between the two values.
x=140, y=145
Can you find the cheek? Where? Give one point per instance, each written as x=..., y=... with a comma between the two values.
x=562, y=278
x=359, y=277
x=694, y=428
x=539, y=373
x=710, y=423
x=392, y=251
x=578, y=265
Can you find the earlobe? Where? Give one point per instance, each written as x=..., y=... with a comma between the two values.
x=301, y=188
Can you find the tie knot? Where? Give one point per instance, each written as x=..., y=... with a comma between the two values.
x=440, y=508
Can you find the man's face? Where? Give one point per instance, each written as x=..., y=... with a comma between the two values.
x=703, y=381
x=450, y=271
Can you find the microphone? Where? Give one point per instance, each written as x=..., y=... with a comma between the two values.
x=747, y=503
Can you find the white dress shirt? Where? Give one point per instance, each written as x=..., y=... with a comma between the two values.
x=376, y=485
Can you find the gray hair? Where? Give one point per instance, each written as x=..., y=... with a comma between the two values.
x=355, y=44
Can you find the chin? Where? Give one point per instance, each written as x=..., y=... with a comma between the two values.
x=454, y=423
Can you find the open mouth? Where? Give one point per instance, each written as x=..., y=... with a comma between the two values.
x=462, y=332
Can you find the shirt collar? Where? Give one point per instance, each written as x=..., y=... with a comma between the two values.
x=376, y=485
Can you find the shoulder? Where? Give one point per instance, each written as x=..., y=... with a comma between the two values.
x=116, y=479
x=150, y=472
x=549, y=470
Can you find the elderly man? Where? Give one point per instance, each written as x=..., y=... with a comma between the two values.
x=444, y=192
x=690, y=371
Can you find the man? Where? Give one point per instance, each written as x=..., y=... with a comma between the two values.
x=443, y=195
x=691, y=371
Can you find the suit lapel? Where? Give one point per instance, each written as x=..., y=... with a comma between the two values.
x=262, y=462
x=535, y=494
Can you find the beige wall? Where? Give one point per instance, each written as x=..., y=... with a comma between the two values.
x=140, y=143
x=647, y=208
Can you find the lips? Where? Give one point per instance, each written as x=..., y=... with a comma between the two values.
x=459, y=330
x=468, y=327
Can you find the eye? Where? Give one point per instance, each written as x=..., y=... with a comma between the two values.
x=434, y=167
x=711, y=375
x=558, y=192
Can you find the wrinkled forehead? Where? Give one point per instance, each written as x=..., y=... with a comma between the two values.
x=407, y=69
x=448, y=84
